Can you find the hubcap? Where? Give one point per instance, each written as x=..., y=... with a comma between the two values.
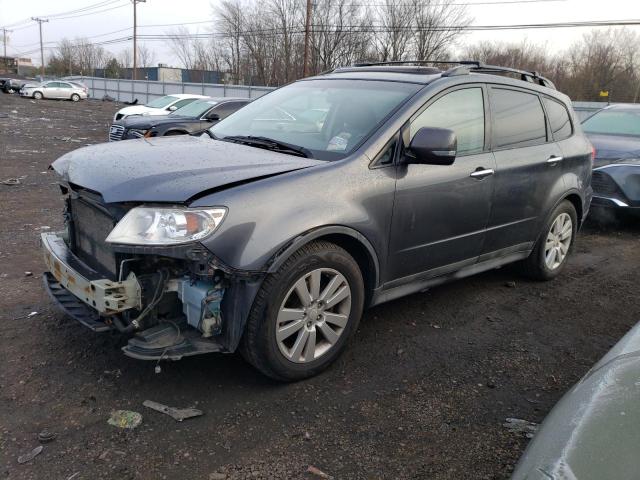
x=558, y=241
x=313, y=315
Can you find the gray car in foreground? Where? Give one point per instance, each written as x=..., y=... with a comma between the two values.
x=615, y=134
x=272, y=232
x=593, y=433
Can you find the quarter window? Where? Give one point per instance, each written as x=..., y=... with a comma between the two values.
x=461, y=111
x=518, y=119
x=558, y=118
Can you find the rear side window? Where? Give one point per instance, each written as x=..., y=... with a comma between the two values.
x=228, y=108
x=558, y=118
x=518, y=119
x=184, y=102
x=461, y=111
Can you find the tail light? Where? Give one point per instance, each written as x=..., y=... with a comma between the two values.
x=593, y=156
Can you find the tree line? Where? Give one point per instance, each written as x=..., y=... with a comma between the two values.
x=261, y=42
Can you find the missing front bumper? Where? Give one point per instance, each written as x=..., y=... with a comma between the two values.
x=105, y=296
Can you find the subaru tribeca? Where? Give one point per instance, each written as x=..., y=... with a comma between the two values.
x=273, y=231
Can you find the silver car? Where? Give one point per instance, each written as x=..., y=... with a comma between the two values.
x=60, y=90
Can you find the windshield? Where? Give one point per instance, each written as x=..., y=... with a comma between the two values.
x=614, y=122
x=162, y=102
x=194, y=109
x=329, y=118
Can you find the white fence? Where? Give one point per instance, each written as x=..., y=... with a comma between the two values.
x=145, y=91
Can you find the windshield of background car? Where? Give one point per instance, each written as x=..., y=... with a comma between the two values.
x=162, y=102
x=194, y=109
x=614, y=122
x=328, y=117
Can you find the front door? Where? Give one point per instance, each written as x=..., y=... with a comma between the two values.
x=440, y=212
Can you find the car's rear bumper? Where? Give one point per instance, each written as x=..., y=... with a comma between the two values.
x=104, y=296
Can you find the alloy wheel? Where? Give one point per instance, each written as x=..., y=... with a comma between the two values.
x=558, y=241
x=313, y=315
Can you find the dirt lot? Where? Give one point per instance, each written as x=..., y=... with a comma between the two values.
x=421, y=393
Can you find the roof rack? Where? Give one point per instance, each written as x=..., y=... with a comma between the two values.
x=463, y=67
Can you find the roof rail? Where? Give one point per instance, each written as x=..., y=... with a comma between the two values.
x=418, y=62
x=479, y=67
x=464, y=67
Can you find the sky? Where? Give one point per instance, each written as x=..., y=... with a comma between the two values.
x=118, y=15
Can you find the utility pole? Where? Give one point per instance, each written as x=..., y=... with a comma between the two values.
x=40, y=22
x=5, y=31
x=135, y=32
x=307, y=28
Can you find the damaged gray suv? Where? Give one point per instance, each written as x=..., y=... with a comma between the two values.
x=272, y=232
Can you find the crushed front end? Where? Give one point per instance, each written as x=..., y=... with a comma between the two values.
x=172, y=300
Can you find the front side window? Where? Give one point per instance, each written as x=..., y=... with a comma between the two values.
x=184, y=102
x=518, y=119
x=461, y=111
x=327, y=117
x=558, y=119
x=162, y=101
x=194, y=109
x=614, y=122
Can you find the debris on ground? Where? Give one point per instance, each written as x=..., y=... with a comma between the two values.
x=178, y=414
x=46, y=436
x=517, y=425
x=217, y=476
x=125, y=419
x=28, y=274
x=27, y=457
x=510, y=284
x=32, y=314
x=11, y=181
x=317, y=472
x=73, y=476
x=108, y=98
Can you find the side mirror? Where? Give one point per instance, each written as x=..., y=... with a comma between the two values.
x=433, y=146
x=172, y=108
x=213, y=117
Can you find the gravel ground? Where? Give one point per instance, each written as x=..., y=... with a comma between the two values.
x=422, y=392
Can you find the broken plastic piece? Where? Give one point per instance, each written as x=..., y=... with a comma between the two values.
x=27, y=457
x=178, y=414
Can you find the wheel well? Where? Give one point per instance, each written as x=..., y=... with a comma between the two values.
x=175, y=132
x=577, y=204
x=361, y=255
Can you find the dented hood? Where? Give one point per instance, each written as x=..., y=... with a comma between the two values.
x=170, y=169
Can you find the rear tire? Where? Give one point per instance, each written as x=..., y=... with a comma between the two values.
x=37, y=95
x=305, y=313
x=75, y=97
x=549, y=256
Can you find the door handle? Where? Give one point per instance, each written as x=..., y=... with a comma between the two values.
x=481, y=172
x=553, y=159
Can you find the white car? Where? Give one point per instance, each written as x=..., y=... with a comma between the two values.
x=159, y=106
x=55, y=89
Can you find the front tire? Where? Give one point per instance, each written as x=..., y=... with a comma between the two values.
x=75, y=97
x=549, y=256
x=305, y=313
x=37, y=96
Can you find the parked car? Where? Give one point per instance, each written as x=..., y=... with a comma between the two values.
x=593, y=431
x=12, y=85
x=192, y=118
x=615, y=134
x=159, y=106
x=273, y=236
x=81, y=86
x=55, y=89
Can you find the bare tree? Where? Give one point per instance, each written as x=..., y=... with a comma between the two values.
x=146, y=56
x=396, y=31
x=126, y=58
x=181, y=45
x=230, y=22
x=439, y=23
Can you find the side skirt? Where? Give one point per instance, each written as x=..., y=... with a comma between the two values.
x=417, y=283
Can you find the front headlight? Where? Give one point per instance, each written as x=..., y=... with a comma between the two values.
x=166, y=226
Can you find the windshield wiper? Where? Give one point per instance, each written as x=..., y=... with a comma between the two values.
x=269, y=144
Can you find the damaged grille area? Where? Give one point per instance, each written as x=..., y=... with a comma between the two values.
x=90, y=226
x=603, y=184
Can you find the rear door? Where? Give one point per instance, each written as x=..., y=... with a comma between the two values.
x=528, y=170
x=65, y=90
x=441, y=211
